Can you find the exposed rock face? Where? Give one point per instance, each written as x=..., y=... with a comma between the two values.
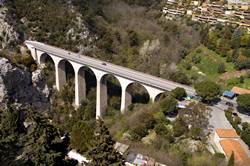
x=16, y=86
x=7, y=32
x=39, y=83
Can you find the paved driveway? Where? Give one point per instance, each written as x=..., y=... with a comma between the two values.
x=218, y=119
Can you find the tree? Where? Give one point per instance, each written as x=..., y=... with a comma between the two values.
x=245, y=135
x=133, y=38
x=81, y=137
x=231, y=160
x=43, y=145
x=10, y=126
x=208, y=90
x=103, y=153
x=196, y=116
x=241, y=79
x=244, y=102
x=180, y=77
x=168, y=104
x=179, y=127
x=67, y=93
x=221, y=68
x=179, y=93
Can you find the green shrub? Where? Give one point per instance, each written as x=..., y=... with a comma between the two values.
x=179, y=127
x=219, y=155
x=196, y=59
x=179, y=93
x=159, y=117
x=234, y=123
x=168, y=104
x=245, y=133
x=237, y=120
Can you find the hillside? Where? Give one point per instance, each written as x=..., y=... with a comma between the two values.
x=123, y=32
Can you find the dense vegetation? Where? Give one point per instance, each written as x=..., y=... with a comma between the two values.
x=132, y=34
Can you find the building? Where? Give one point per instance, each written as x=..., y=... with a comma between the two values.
x=77, y=156
x=121, y=148
x=240, y=155
x=228, y=94
x=240, y=91
x=228, y=141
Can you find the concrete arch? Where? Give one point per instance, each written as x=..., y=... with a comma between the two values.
x=81, y=86
x=62, y=65
x=139, y=98
x=153, y=92
x=159, y=96
x=113, y=89
x=43, y=58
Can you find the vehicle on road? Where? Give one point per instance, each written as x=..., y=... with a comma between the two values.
x=104, y=64
x=229, y=104
x=235, y=114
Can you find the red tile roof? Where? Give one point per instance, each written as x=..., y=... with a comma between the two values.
x=240, y=155
x=226, y=133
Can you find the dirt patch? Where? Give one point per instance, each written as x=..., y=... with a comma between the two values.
x=228, y=75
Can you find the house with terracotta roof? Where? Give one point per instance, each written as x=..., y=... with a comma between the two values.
x=240, y=155
x=240, y=91
x=228, y=141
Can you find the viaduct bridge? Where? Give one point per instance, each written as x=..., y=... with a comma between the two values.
x=154, y=85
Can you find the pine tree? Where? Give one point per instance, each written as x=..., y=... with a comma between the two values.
x=42, y=142
x=103, y=153
x=231, y=160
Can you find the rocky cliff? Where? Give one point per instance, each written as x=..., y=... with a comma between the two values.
x=21, y=87
x=7, y=33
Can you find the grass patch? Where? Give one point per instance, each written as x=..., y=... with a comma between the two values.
x=230, y=83
x=204, y=63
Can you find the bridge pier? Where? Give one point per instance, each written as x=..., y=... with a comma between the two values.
x=126, y=100
x=80, y=84
x=101, y=98
x=80, y=87
x=60, y=73
x=101, y=93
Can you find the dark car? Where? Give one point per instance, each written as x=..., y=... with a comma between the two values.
x=104, y=64
x=229, y=104
x=235, y=114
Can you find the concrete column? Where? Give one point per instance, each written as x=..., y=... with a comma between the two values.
x=60, y=72
x=80, y=87
x=101, y=93
x=126, y=98
x=153, y=92
x=101, y=98
x=80, y=84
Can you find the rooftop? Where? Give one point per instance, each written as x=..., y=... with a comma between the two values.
x=231, y=145
x=240, y=91
x=226, y=133
x=228, y=94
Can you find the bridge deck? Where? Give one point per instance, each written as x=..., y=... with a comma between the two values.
x=124, y=72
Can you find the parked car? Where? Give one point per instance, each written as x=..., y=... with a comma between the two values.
x=235, y=114
x=229, y=104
